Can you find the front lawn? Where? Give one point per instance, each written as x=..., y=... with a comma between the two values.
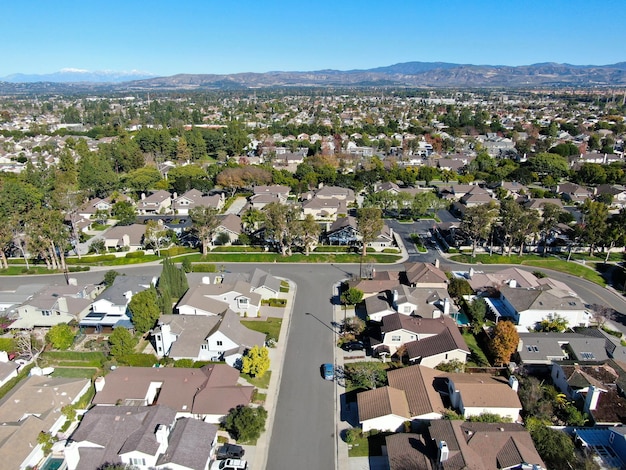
x=269, y=327
x=258, y=382
x=368, y=444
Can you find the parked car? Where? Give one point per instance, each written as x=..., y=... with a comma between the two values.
x=353, y=346
x=230, y=464
x=328, y=371
x=230, y=451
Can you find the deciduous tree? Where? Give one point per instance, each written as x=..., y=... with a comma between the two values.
x=144, y=309
x=204, y=222
x=504, y=342
x=256, y=361
x=61, y=336
x=246, y=424
x=122, y=342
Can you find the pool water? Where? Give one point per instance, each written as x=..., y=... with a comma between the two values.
x=53, y=463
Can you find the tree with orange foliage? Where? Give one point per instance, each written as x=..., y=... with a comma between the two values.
x=504, y=342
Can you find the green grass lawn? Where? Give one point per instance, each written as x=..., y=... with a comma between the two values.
x=478, y=357
x=75, y=372
x=575, y=269
x=269, y=327
x=368, y=444
x=259, y=382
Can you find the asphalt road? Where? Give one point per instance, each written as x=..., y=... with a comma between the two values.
x=303, y=434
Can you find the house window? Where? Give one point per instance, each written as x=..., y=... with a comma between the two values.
x=205, y=346
x=396, y=338
x=219, y=343
x=46, y=313
x=407, y=309
x=134, y=461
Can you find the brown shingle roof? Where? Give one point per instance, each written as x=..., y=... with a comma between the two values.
x=448, y=340
x=407, y=452
x=382, y=402
x=417, y=383
x=424, y=273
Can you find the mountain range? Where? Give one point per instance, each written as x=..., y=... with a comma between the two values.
x=408, y=74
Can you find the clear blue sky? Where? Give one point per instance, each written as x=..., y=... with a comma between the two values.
x=229, y=36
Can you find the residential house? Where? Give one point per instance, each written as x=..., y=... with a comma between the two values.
x=215, y=299
x=110, y=309
x=476, y=196
x=537, y=204
x=425, y=275
x=573, y=192
x=31, y=407
x=542, y=349
x=616, y=191
x=463, y=445
x=205, y=338
x=125, y=237
x=144, y=437
x=343, y=231
x=514, y=277
x=527, y=307
x=597, y=387
x=379, y=282
x=193, y=198
x=207, y=393
x=513, y=188
x=54, y=305
x=231, y=226
x=399, y=330
x=410, y=396
x=324, y=209
x=421, y=301
x=11, y=299
x=158, y=202
x=265, y=284
x=476, y=394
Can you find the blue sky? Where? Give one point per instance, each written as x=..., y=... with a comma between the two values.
x=207, y=36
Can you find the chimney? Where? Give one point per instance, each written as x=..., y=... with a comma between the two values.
x=72, y=281
x=4, y=357
x=591, y=400
x=162, y=433
x=437, y=263
x=206, y=280
x=471, y=273
x=512, y=283
x=99, y=384
x=444, y=452
x=394, y=301
x=514, y=383
x=143, y=196
x=446, y=306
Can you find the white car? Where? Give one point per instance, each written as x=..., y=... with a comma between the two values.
x=229, y=464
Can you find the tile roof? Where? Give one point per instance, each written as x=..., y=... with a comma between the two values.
x=448, y=340
x=424, y=273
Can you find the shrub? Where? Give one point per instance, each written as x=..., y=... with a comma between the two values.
x=135, y=254
x=353, y=434
x=204, y=268
x=246, y=424
x=138, y=360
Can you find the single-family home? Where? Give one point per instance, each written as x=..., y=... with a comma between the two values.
x=193, y=198
x=542, y=349
x=55, y=304
x=204, y=338
x=128, y=237
x=207, y=393
x=110, y=308
x=476, y=394
x=597, y=387
x=343, y=231
x=229, y=226
x=573, y=192
x=144, y=437
x=527, y=307
x=463, y=444
x=410, y=396
x=265, y=284
x=399, y=330
x=214, y=299
x=34, y=406
x=616, y=191
x=158, y=202
x=424, y=275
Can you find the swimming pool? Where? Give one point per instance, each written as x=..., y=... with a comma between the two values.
x=53, y=463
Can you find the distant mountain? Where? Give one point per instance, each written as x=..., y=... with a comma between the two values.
x=78, y=76
x=409, y=74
